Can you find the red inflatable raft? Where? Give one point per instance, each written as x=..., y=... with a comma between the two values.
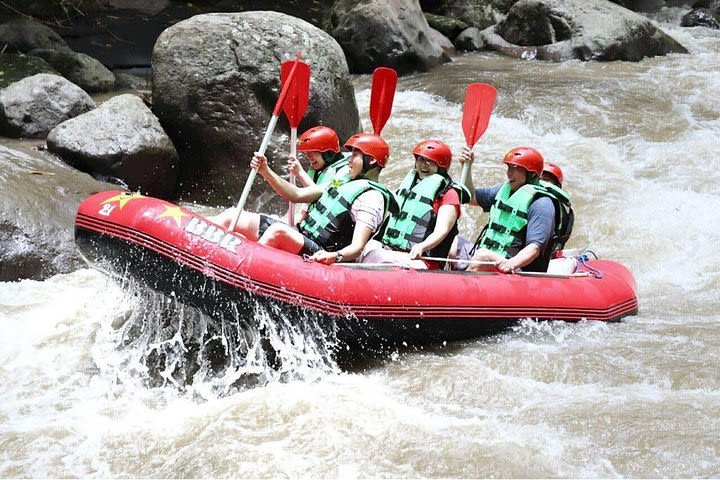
x=177, y=252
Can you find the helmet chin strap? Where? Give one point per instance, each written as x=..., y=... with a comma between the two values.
x=368, y=164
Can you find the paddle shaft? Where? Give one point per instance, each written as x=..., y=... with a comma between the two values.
x=293, y=154
x=266, y=139
x=253, y=172
x=453, y=260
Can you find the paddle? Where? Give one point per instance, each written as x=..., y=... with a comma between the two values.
x=479, y=102
x=382, y=94
x=295, y=107
x=265, y=141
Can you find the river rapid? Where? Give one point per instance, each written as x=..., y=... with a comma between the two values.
x=641, y=398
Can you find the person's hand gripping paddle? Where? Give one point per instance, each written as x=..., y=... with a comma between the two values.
x=266, y=139
x=295, y=107
x=479, y=103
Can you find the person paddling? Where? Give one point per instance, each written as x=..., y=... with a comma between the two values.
x=429, y=209
x=526, y=216
x=341, y=217
x=321, y=146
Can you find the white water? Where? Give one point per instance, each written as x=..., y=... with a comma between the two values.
x=641, y=398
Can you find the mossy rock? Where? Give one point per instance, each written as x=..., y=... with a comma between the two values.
x=16, y=66
x=450, y=27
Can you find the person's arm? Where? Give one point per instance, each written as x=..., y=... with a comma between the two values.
x=361, y=236
x=467, y=156
x=367, y=212
x=524, y=257
x=540, y=228
x=294, y=167
x=446, y=218
x=284, y=188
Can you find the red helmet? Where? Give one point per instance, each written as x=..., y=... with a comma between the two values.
x=554, y=170
x=370, y=144
x=319, y=139
x=527, y=158
x=434, y=150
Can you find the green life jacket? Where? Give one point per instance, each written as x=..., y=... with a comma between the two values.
x=416, y=219
x=506, y=228
x=335, y=166
x=330, y=223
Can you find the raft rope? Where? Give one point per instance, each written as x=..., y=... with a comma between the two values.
x=583, y=262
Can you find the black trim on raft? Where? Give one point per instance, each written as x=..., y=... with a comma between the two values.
x=353, y=335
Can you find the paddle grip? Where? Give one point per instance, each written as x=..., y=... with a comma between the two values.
x=253, y=172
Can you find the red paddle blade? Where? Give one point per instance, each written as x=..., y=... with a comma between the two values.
x=296, y=102
x=479, y=103
x=382, y=94
x=284, y=88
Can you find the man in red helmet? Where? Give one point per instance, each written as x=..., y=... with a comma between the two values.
x=342, y=215
x=525, y=216
x=321, y=147
x=429, y=208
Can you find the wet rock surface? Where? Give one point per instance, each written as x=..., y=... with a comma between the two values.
x=33, y=106
x=37, y=210
x=120, y=139
x=561, y=30
x=83, y=70
x=394, y=34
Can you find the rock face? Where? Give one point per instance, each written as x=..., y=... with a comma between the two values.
x=559, y=30
x=473, y=13
x=24, y=35
x=16, y=66
x=33, y=106
x=120, y=139
x=470, y=39
x=39, y=199
x=215, y=83
x=83, y=70
x=705, y=13
x=377, y=32
x=450, y=27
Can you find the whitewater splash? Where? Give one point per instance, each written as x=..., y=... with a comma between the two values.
x=160, y=341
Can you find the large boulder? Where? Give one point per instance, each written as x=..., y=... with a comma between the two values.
x=24, y=35
x=16, y=66
x=475, y=13
x=83, y=70
x=394, y=34
x=705, y=13
x=559, y=30
x=470, y=40
x=40, y=196
x=121, y=139
x=215, y=83
x=450, y=27
x=35, y=105
x=701, y=17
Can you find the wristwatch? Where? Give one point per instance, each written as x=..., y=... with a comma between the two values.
x=338, y=257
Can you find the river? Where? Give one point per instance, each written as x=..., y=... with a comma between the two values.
x=641, y=398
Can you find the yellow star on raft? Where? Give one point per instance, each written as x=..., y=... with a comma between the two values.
x=173, y=212
x=122, y=198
